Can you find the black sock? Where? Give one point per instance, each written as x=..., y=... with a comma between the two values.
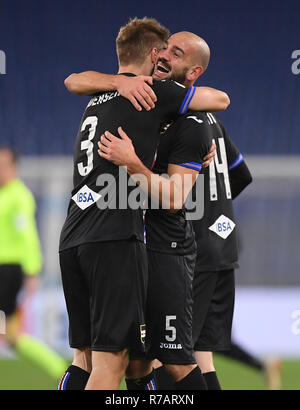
x=212, y=381
x=241, y=355
x=163, y=379
x=193, y=381
x=144, y=383
x=74, y=378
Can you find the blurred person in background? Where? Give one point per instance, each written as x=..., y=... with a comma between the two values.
x=20, y=264
x=269, y=369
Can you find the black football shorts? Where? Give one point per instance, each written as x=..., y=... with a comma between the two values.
x=11, y=281
x=105, y=286
x=214, y=294
x=169, y=311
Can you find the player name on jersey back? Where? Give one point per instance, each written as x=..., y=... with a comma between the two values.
x=102, y=98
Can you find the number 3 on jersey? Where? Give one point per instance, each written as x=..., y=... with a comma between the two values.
x=88, y=145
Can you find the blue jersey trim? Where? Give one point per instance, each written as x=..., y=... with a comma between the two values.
x=236, y=162
x=186, y=102
x=192, y=165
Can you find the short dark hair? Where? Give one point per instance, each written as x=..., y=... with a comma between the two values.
x=137, y=38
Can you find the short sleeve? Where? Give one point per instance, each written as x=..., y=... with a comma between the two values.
x=234, y=156
x=239, y=174
x=191, y=142
x=173, y=98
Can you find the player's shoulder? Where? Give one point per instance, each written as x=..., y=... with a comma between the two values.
x=192, y=127
x=203, y=121
x=19, y=195
x=195, y=119
x=202, y=117
x=168, y=84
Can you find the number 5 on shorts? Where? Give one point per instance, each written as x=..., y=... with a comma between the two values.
x=87, y=145
x=170, y=328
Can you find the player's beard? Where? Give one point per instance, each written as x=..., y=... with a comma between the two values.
x=180, y=76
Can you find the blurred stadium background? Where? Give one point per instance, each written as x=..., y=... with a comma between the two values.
x=252, y=43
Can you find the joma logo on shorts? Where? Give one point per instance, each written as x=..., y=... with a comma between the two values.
x=170, y=346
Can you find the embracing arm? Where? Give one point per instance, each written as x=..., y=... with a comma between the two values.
x=90, y=82
x=136, y=89
x=209, y=99
x=170, y=193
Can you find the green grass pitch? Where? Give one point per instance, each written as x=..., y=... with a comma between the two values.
x=20, y=375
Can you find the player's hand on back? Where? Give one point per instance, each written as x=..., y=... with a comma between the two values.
x=210, y=156
x=138, y=91
x=119, y=151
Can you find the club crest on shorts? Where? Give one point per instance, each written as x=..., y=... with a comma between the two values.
x=143, y=333
x=223, y=227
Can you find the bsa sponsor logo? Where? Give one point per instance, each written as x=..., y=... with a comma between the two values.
x=85, y=197
x=222, y=227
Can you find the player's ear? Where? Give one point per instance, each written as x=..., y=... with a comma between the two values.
x=194, y=72
x=154, y=54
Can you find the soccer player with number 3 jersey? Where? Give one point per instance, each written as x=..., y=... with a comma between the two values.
x=102, y=253
x=170, y=237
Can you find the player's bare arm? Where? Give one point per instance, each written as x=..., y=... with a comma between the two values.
x=121, y=152
x=209, y=99
x=136, y=89
x=167, y=192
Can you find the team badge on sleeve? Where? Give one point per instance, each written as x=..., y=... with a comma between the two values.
x=143, y=333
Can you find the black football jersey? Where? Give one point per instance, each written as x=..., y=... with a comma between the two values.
x=216, y=231
x=186, y=142
x=98, y=209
